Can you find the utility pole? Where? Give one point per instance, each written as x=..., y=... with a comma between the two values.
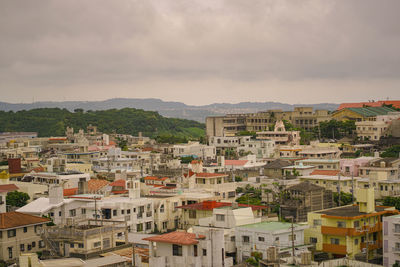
x=293, y=257
x=352, y=187
x=339, y=189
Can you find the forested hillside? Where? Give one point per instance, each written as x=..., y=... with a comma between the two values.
x=53, y=122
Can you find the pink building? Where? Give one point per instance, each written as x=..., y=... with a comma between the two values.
x=350, y=167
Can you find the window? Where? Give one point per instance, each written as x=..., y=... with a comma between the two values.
x=139, y=227
x=29, y=247
x=22, y=247
x=204, y=252
x=11, y=233
x=10, y=252
x=114, y=212
x=356, y=241
x=341, y=224
x=261, y=239
x=233, y=238
x=356, y=224
x=72, y=245
x=192, y=214
x=245, y=239
x=317, y=223
x=128, y=211
x=80, y=245
x=334, y=241
x=122, y=211
x=277, y=238
x=148, y=225
x=83, y=211
x=220, y=217
x=195, y=250
x=397, y=228
x=25, y=229
x=72, y=213
x=165, y=225
x=97, y=244
x=313, y=240
x=33, y=244
x=176, y=250
x=162, y=208
x=59, y=214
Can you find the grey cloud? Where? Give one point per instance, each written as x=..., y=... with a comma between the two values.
x=73, y=44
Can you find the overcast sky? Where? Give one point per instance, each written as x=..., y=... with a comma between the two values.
x=200, y=52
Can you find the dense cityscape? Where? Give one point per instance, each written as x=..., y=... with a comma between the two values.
x=297, y=187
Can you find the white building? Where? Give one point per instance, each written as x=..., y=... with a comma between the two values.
x=188, y=249
x=194, y=149
x=259, y=236
x=227, y=218
x=65, y=179
x=391, y=240
x=4, y=189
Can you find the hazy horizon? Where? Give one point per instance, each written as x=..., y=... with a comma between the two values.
x=200, y=52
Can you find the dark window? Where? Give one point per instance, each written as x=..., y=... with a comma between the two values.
x=80, y=245
x=25, y=229
x=11, y=233
x=10, y=253
x=33, y=244
x=195, y=250
x=176, y=250
x=204, y=252
x=22, y=247
x=261, y=239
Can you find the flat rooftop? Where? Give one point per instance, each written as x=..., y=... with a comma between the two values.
x=269, y=226
x=347, y=211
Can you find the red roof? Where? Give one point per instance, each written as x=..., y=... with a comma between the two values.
x=8, y=188
x=180, y=238
x=96, y=184
x=212, y=204
x=70, y=191
x=120, y=192
x=120, y=182
x=326, y=172
x=16, y=219
x=153, y=178
x=195, y=161
x=190, y=174
x=395, y=103
x=235, y=162
x=210, y=175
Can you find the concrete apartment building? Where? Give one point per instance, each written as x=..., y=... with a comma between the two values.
x=280, y=136
x=8, y=136
x=65, y=179
x=259, y=236
x=374, y=130
x=320, y=164
x=195, y=149
x=298, y=200
x=391, y=240
x=347, y=230
x=20, y=233
x=230, y=124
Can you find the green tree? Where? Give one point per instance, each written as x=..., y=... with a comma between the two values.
x=17, y=199
x=391, y=152
x=392, y=202
x=255, y=258
x=345, y=198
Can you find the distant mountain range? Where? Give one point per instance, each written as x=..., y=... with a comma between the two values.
x=164, y=108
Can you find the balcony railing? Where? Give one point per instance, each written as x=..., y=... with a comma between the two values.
x=372, y=245
x=336, y=249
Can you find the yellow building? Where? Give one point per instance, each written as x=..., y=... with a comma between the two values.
x=347, y=230
x=360, y=114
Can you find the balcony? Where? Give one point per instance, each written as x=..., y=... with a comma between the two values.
x=335, y=249
x=372, y=246
x=396, y=249
x=338, y=231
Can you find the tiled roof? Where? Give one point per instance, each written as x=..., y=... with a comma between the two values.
x=395, y=103
x=372, y=111
x=180, y=238
x=16, y=219
x=120, y=182
x=96, y=184
x=325, y=172
x=118, y=192
x=210, y=175
x=277, y=164
x=153, y=178
x=211, y=204
x=70, y=191
x=235, y=162
x=8, y=188
x=190, y=174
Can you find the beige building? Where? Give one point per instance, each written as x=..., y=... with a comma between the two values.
x=230, y=124
x=375, y=129
x=20, y=233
